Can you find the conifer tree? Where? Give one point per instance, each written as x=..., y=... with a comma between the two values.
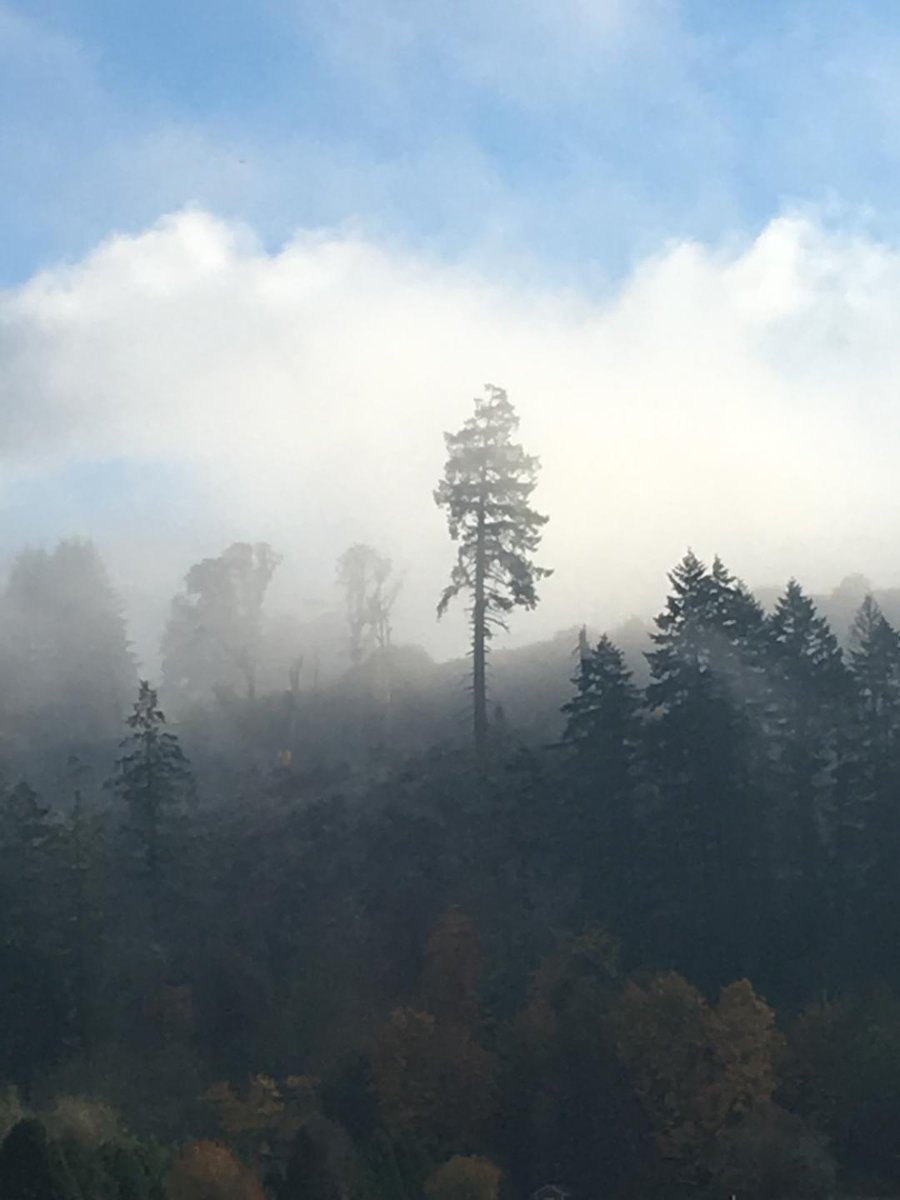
x=486, y=491
x=704, y=672
x=875, y=741
x=810, y=694
x=84, y=843
x=603, y=730
x=32, y=999
x=68, y=660
x=600, y=717
x=153, y=779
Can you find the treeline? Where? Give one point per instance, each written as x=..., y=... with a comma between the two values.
x=308, y=939
x=522, y=961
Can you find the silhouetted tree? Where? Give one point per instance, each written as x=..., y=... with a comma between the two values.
x=364, y=576
x=153, y=779
x=215, y=628
x=486, y=489
x=705, y=675
x=875, y=748
x=68, y=662
x=603, y=730
x=804, y=727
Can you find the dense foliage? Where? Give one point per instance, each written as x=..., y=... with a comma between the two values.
x=261, y=962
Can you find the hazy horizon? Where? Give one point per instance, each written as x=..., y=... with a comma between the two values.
x=235, y=309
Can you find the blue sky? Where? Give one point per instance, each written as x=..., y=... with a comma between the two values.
x=255, y=257
x=568, y=138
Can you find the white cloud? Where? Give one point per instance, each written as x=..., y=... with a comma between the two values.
x=741, y=400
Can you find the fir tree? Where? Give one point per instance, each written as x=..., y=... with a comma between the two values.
x=810, y=693
x=486, y=489
x=875, y=741
x=69, y=664
x=704, y=672
x=32, y=1000
x=153, y=779
x=603, y=729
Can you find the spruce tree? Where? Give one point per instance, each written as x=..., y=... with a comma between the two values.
x=603, y=729
x=875, y=741
x=32, y=999
x=486, y=491
x=810, y=694
x=700, y=742
x=69, y=666
x=153, y=779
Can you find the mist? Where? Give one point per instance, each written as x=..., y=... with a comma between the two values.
x=738, y=398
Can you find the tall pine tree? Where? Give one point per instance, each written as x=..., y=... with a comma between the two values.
x=486, y=492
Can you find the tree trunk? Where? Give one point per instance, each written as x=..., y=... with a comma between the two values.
x=479, y=646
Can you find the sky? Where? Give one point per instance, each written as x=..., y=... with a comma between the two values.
x=256, y=257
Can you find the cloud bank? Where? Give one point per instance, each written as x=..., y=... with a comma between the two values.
x=738, y=399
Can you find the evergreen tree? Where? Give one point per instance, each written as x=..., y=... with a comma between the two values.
x=875, y=744
x=603, y=730
x=153, y=779
x=705, y=680
x=810, y=694
x=32, y=1008
x=84, y=845
x=69, y=666
x=486, y=489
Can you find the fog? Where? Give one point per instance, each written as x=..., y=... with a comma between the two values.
x=185, y=387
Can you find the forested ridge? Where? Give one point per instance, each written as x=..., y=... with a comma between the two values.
x=283, y=926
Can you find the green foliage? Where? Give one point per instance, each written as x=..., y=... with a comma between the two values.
x=509, y=958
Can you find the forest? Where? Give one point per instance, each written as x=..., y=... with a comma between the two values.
x=312, y=916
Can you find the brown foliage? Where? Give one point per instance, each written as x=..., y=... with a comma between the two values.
x=451, y=971
x=209, y=1171
x=570, y=992
x=694, y=1068
x=433, y=1077
x=263, y=1120
x=465, y=1179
